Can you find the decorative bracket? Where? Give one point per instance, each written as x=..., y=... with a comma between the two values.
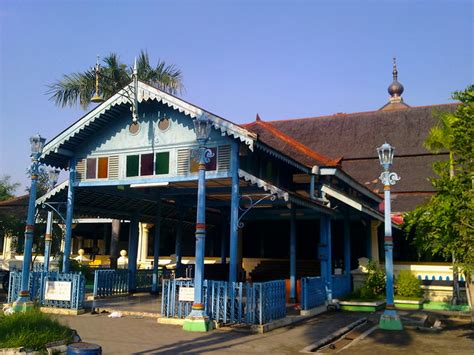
x=387, y=178
x=271, y=196
x=50, y=205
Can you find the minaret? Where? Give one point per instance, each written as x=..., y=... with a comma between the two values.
x=395, y=90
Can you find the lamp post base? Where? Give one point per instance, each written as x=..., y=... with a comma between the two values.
x=22, y=304
x=197, y=321
x=390, y=320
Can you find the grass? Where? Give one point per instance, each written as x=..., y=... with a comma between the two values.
x=32, y=330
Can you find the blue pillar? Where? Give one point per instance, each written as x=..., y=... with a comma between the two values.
x=133, y=251
x=69, y=215
x=347, y=252
x=48, y=237
x=23, y=303
x=292, y=254
x=368, y=239
x=325, y=252
x=234, y=212
x=224, y=234
x=156, y=247
x=179, y=236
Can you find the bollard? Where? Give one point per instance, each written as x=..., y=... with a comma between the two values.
x=84, y=349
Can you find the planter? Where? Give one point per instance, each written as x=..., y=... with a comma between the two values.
x=409, y=304
x=444, y=306
x=362, y=306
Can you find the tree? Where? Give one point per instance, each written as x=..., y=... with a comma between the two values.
x=78, y=88
x=443, y=226
x=7, y=188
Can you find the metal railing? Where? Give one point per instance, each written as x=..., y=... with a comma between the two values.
x=313, y=292
x=144, y=280
x=37, y=285
x=111, y=282
x=241, y=303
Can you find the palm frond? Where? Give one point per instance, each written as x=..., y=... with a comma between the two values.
x=72, y=89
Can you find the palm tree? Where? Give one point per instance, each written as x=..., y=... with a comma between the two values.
x=79, y=88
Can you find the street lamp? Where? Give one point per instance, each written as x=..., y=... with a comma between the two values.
x=53, y=175
x=197, y=320
x=23, y=302
x=389, y=319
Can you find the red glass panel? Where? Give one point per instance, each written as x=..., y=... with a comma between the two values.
x=146, y=166
x=91, y=169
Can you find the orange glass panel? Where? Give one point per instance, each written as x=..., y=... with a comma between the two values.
x=103, y=168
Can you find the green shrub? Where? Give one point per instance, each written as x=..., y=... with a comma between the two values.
x=407, y=285
x=375, y=284
x=31, y=329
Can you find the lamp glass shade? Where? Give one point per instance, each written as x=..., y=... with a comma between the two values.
x=386, y=152
x=202, y=128
x=37, y=144
x=53, y=176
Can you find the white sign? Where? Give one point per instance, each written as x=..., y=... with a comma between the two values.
x=58, y=290
x=186, y=294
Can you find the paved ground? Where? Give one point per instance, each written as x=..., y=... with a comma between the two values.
x=457, y=339
x=131, y=335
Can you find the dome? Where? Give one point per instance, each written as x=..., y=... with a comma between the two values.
x=395, y=88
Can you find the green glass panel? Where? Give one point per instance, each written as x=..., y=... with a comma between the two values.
x=132, y=165
x=162, y=163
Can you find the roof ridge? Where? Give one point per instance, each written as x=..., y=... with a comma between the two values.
x=343, y=114
x=296, y=144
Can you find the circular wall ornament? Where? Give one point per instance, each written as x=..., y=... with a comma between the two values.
x=164, y=124
x=134, y=128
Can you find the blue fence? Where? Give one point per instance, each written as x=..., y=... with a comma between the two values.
x=37, y=285
x=111, y=282
x=341, y=285
x=250, y=303
x=313, y=292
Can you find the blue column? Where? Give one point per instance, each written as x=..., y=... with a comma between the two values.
x=179, y=236
x=156, y=246
x=234, y=212
x=325, y=252
x=69, y=215
x=224, y=234
x=47, y=240
x=133, y=251
x=388, y=243
x=368, y=239
x=200, y=238
x=347, y=252
x=22, y=303
x=292, y=254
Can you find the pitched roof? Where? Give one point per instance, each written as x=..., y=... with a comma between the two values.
x=276, y=139
x=356, y=136
x=58, y=150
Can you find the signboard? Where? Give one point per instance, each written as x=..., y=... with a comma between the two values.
x=57, y=290
x=186, y=294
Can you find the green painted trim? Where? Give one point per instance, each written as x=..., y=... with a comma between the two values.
x=408, y=305
x=390, y=323
x=355, y=308
x=444, y=306
x=196, y=325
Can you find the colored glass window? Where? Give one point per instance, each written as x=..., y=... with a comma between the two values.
x=91, y=169
x=103, y=168
x=194, y=166
x=146, y=166
x=132, y=165
x=162, y=163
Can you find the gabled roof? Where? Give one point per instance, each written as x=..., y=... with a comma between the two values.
x=276, y=139
x=58, y=150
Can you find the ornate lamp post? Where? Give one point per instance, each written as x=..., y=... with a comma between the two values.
x=197, y=320
x=23, y=303
x=53, y=175
x=389, y=319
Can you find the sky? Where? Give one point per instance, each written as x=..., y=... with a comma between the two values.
x=281, y=59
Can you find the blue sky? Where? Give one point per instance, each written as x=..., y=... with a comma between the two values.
x=282, y=59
